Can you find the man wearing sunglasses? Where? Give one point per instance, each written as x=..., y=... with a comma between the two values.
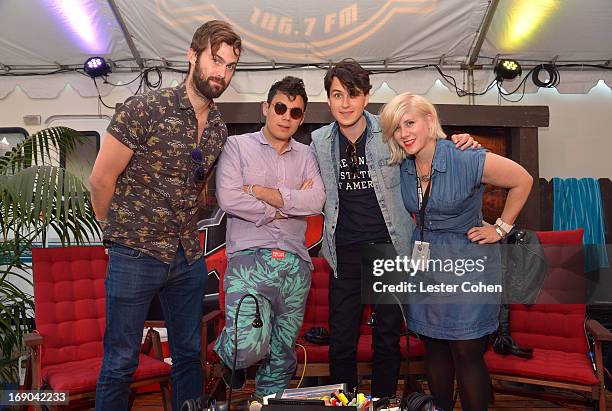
x=363, y=206
x=145, y=189
x=267, y=183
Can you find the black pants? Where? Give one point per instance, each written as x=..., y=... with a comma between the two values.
x=345, y=314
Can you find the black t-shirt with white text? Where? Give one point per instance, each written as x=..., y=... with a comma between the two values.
x=359, y=219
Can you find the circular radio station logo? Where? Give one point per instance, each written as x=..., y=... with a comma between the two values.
x=298, y=30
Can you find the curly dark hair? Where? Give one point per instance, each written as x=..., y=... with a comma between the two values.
x=351, y=75
x=291, y=87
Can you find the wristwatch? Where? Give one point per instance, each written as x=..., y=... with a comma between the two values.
x=505, y=227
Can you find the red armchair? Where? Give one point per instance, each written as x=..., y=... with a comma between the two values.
x=556, y=332
x=66, y=348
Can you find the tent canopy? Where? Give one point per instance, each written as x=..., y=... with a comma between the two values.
x=42, y=36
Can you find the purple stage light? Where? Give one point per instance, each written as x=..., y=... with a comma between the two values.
x=94, y=62
x=79, y=16
x=96, y=66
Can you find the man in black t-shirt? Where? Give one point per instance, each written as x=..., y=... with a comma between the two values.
x=363, y=206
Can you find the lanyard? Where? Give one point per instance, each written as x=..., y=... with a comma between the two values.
x=423, y=200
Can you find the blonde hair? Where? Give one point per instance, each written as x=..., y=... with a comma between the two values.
x=392, y=113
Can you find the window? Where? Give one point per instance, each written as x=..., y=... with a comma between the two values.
x=80, y=162
x=10, y=137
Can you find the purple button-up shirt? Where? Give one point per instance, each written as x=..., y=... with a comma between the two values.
x=249, y=159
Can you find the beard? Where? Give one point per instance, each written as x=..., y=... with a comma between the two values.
x=206, y=87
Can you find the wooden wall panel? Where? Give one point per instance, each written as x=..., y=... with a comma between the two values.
x=494, y=139
x=547, y=203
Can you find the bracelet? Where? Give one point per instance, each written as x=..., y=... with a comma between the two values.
x=101, y=221
x=250, y=190
x=499, y=231
x=505, y=227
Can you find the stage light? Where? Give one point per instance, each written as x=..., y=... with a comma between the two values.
x=507, y=69
x=96, y=67
x=522, y=20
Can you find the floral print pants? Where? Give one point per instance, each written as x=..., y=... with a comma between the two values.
x=280, y=281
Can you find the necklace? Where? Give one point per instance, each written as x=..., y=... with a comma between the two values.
x=421, y=176
x=425, y=178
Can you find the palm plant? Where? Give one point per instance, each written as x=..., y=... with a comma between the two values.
x=35, y=196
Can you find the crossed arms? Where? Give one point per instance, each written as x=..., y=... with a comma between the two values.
x=266, y=203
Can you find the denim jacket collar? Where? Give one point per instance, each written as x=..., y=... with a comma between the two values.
x=438, y=163
x=373, y=126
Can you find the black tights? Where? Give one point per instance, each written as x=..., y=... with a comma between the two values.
x=445, y=359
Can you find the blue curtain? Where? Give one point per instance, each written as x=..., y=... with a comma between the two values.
x=577, y=203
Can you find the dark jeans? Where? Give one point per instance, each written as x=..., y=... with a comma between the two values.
x=132, y=280
x=345, y=313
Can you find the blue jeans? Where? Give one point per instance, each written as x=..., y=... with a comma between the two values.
x=132, y=280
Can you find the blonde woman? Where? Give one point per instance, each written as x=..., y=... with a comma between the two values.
x=449, y=183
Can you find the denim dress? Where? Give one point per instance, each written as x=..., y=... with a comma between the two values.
x=454, y=206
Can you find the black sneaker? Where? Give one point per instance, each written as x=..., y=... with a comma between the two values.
x=239, y=377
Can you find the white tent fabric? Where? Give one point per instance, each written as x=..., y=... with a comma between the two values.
x=44, y=35
x=315, y=31
x=569, y=30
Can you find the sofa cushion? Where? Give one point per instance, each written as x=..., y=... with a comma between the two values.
x=69, y=298
x=557, y=327
x=565, y=282
x=320, y=353
x=551, y=365
x=81, y=376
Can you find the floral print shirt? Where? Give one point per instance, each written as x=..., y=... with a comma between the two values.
x=155, y=203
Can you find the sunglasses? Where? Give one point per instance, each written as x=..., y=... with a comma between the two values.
x=199, y=173
x=353, y=161
x=296, y=113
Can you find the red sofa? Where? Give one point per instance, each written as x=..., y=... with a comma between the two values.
x=555, y=331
